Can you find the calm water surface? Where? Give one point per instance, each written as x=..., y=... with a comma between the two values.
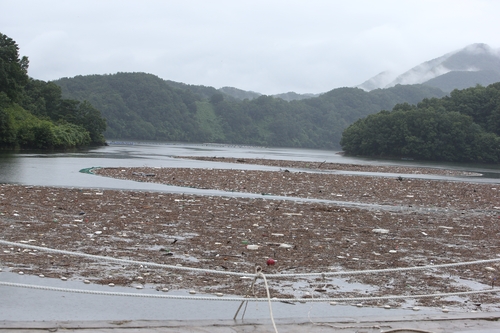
x=62, y=169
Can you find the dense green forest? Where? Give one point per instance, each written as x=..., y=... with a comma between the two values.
x=462, y=127
x=140, y=106
x=33, y=114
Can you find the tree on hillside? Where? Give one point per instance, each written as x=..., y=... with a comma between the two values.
x=7, y=131
x=42, y=98
x=89, y=118
x=33, y=114
x=13, y=70
x=462, y=127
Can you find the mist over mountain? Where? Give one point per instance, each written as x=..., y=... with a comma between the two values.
x=379, y=81
x=472, y=65
x=243, y=94
x=239, y=93
x=475, y=64
x=293, y=96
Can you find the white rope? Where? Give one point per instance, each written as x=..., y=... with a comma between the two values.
x=127, y=261
x=254, y=299
x=260, y=274
x=280, y=275
x=386, y=270
x=406, y=330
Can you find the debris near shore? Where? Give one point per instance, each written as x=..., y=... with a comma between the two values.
x=420, y=222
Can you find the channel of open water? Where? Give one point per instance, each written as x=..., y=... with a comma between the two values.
x=62, y=169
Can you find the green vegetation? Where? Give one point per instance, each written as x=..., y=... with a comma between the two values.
x=33, y=113
x=462, y=127
x=140, y=106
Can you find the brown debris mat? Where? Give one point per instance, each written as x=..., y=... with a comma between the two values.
x=427, y=222
x=335, y=166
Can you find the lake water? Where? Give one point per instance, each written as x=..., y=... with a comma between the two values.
x=62, y=168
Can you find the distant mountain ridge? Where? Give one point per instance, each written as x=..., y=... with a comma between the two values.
x=239, y=93
x=472, y=65
x=243, y=94
x=293, y=96
x=141, y=106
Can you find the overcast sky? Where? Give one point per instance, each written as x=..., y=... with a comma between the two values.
x=267, y=46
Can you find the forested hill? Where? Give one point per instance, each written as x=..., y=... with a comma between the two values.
x=33, y=114
x=462, y=127
x=139, y=106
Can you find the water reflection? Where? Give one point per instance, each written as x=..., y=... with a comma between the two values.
x=10, y=167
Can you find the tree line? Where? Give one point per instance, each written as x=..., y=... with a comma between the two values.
x=140, y=106
x=461, y=127
x=33, y=114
